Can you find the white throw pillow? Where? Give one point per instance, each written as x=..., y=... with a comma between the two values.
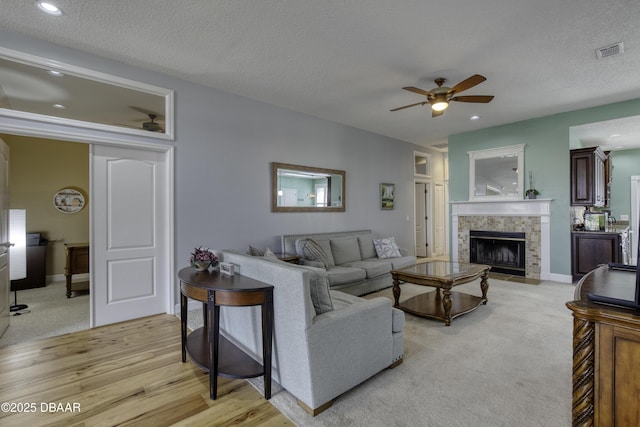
x=386, y=248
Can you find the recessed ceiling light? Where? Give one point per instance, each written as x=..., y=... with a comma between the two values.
x=615, y=135
x=49, y=8
x=55, y=73
x=474, y=117
x=617, y=147
x=59, y=106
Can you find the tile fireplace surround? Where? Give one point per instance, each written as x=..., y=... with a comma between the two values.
x=528, y=216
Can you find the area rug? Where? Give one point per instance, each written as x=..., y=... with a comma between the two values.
x=505, y=364
x=50, y=314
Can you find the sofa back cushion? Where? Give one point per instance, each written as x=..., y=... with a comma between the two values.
x=345, y=250
x=367, y=250
x=318, y=284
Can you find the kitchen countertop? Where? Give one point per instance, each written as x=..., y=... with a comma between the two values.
x=612, y=229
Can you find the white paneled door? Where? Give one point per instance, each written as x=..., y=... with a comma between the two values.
x=439, y=225
x=4, y=238
x=421, y=219
x=130, y=255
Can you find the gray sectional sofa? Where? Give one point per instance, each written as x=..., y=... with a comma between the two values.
x=352, y=263
x=325, y=341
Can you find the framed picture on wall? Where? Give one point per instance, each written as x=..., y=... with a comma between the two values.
x=387, y=195
x=68, y=200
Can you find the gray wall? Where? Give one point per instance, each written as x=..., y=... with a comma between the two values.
x=224, y=146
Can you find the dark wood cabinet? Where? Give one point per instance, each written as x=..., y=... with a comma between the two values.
x=36, y=270
x=589, y=249
x=589, y=177
x=606, y=354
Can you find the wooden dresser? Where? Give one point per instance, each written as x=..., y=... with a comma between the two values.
x=77, y=262
x=606, y=354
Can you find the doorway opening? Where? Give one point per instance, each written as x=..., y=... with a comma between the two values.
x=160, y=159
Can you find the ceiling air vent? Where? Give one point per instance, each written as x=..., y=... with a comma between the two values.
x=612, y=49
x=441, y=146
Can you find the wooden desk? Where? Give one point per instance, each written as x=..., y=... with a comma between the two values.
x=606, y=354
x=77, y=262
x=206, y=347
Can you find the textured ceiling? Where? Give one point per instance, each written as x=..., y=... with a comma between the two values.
x=346, y=61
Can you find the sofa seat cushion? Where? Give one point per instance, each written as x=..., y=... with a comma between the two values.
x=402, y=262
x=342, y=275
x=342, y=300
x=345, y=250
x=373, y=268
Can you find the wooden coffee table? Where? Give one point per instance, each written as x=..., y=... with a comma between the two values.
x=444, y=275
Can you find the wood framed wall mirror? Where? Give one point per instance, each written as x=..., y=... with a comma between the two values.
x=45, y=90
x=496, y=173
x=296, y=188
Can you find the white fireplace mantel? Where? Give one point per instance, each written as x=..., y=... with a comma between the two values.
x=528, y=207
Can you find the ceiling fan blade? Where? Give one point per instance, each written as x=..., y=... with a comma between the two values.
x=418, y=90
x=410, y=105
x=467, y=84
x=435, y=113
x=146, y=112
x=473, y=98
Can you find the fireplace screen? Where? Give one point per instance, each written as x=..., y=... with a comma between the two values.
x=503, y=251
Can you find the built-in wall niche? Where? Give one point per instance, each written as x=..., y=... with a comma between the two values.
x=45, y=90
x=496, y=173
x=421, y=164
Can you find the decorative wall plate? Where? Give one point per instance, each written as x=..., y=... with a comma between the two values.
x=68, y=200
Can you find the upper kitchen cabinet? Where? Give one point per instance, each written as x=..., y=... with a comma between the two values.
x=589, y=177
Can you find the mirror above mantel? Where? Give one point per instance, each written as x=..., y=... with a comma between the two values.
x=496, y=173
x=45, y=90
x=296, y=188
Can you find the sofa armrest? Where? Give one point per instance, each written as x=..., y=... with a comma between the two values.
x=349, y=345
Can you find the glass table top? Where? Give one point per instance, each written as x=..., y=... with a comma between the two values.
x=441, y=268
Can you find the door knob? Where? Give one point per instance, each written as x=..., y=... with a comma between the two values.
x=7, y=244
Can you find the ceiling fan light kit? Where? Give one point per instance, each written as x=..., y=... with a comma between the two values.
x=440, y=97
x=439, y=104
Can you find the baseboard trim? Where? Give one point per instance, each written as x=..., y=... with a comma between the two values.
x=562, y=278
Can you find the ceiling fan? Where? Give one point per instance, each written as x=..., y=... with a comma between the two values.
x=439, y=97
x=151, y=125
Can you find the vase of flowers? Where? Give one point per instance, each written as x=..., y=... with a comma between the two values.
x=202, y=258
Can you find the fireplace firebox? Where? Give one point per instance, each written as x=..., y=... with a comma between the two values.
x=504, y=251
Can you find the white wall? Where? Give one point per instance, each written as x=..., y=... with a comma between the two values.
x=224, y=146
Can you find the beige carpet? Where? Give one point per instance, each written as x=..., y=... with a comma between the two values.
x=50, y=314
x=505, y=364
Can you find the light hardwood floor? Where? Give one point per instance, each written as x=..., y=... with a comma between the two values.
x=129, y=373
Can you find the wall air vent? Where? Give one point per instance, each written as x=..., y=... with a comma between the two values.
x=612, y=49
